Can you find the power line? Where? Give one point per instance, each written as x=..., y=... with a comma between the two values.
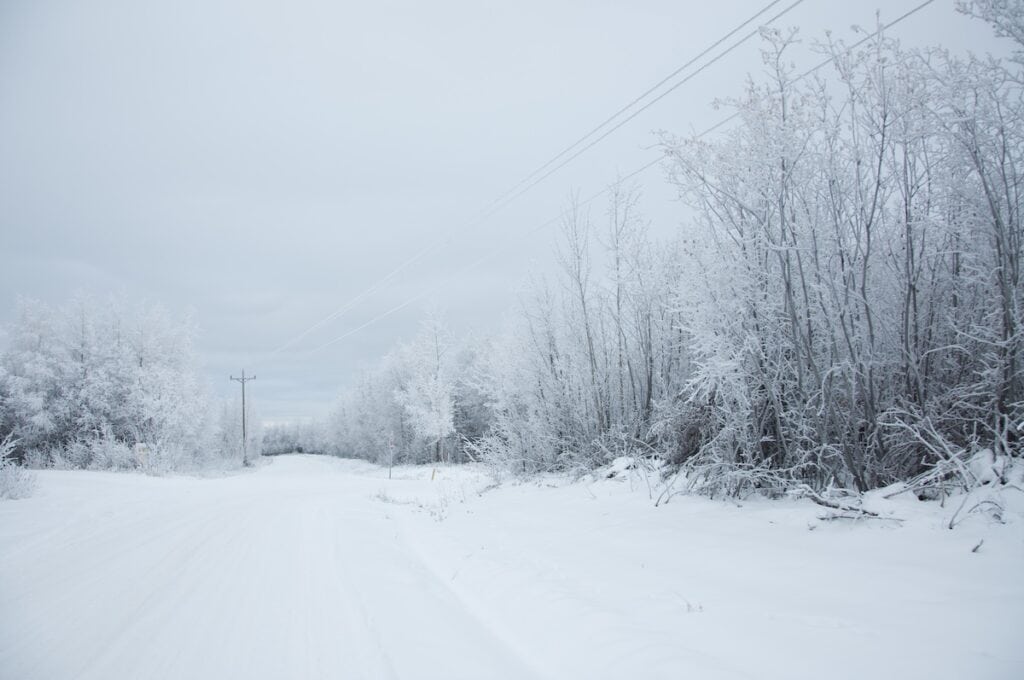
x=638, y=99
x=646, y=106
x=479, y=261
x=645, y=167
x=515, y=192
x=814, y=69
x=604, y=190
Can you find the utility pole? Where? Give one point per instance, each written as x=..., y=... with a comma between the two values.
x=391, y=453
x=245, y=441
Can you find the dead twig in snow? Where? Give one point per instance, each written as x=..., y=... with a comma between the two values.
x=857, y=517
x=808, y=493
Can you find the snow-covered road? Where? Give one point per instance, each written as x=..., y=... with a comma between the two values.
x=318, y=568
x=291, y=572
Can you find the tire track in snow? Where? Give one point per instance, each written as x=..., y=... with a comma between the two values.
x=344, y=583
x=102, y=597
x=424, y=590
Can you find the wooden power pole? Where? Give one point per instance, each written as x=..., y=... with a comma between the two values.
x=245, y=441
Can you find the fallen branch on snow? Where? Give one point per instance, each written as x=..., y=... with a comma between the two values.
x=856, y=510
x=857, y=517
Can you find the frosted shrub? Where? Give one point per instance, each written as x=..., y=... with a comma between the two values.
x=78, y=454
x=37, y=459
x=15, y=481
x=169, y=457
x=109, y=454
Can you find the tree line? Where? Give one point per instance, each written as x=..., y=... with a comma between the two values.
x=840, y=307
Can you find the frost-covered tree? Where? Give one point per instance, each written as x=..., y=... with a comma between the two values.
x=584, y=372
x=841, y=306
x=419, y=404
x=857, y=245
x=427, y=393
x=86, y=383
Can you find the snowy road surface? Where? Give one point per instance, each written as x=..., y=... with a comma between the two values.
x=319, y=568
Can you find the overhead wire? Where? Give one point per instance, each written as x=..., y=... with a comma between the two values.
x=828, y=60
x=479, y=261
x=648, y=105
x=518, y=189
x=494, y=251
x=636, y=100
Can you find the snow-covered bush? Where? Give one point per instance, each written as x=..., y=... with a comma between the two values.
x=109, y=454
x=15, y=481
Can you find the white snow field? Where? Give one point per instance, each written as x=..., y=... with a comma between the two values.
x=314, y=567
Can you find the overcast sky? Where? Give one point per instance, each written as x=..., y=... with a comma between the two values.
x=263, y=163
